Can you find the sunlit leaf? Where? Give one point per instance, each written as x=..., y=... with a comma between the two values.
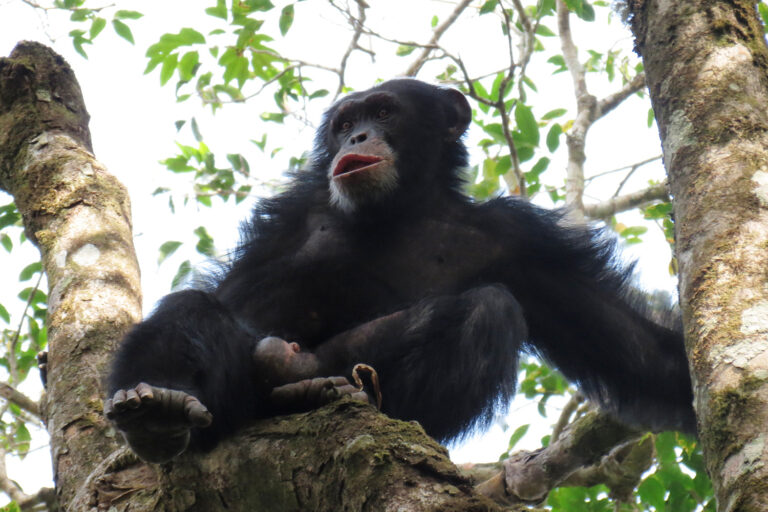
x=123, y=30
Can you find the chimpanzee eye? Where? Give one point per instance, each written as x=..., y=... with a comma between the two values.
x=383, y=113
x=346, y=126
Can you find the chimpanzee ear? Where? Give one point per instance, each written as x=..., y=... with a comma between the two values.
x=458, y=113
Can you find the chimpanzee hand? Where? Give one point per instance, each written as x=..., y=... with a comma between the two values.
x=289, y=371
x=156, y=421
x=311, y=393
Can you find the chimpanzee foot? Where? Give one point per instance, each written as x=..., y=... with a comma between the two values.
x=156, y=421
x=312, y=393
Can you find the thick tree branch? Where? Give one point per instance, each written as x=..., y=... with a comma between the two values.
x=345, y=456
x=79, y=217
x=529, y=476
x=8, y=486
x=20, y=399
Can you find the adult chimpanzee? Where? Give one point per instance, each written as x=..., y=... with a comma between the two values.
x=374, y=255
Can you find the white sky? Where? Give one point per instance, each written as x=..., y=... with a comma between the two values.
x=132, y=128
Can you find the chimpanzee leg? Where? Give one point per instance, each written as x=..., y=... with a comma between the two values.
x=190, y=354
x=445, y=362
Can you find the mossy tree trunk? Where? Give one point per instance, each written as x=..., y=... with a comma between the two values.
x=706, y=64
x=345, y=456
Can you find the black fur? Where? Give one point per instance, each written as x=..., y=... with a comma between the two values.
x=435, y=291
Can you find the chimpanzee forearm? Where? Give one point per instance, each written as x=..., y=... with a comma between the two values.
x=455, y=352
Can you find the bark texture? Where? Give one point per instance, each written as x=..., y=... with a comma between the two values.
x=79, y=217
x=707, y=71
x=345, y=456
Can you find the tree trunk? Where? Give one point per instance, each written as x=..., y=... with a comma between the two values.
x=706, y=63
x=344, y=456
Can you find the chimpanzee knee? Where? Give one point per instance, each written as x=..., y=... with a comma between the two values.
x=461, y=357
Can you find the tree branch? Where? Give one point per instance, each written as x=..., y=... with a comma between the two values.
x=414, y=68
x=8, y=486
x=612, y=101
x=21, y=400
x=627, y=202
x=585, y=106
x=529, y=476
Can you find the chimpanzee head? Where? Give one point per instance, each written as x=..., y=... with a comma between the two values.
x=392, y=140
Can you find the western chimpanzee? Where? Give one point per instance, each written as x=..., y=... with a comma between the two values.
x=374, y=255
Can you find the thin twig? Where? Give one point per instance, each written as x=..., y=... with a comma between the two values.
x=436, y=35
x=12, y=366
x=357, y=24
x=623, y=168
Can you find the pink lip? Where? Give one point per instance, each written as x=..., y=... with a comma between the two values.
x=353, y=162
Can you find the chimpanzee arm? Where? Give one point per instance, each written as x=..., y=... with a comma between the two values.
x=445, y=362
x=190, y=354
x=618, y=349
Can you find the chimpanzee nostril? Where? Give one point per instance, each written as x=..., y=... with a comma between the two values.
x=357, y=139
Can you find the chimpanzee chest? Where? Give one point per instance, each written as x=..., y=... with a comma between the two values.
x=337, y=280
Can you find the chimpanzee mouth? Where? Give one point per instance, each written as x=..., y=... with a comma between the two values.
x=353, y=163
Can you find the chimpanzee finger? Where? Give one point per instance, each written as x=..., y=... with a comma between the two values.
x=109, y=408
x=132, y=399
x=145, y=391
x=196, y=412
x=118, y=400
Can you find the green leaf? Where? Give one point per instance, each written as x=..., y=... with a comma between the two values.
x=205, y=242
x=488, y=6
x=516, y=436
x=434, y=21
x=6, y=241
x=169, y=66
x=123, y=30
x=196, y=130
x=97, y=26
x=763, y=9
x=4, y=314
x=275, y=118
x=220, y=11
x=21, y=439
x=128, y=15
x=404, y=49
x=80, y=14
x=167, y=249
x=189, y=36
x=188, y=65
x=181, y=274
x=537, y=169
x=286, y=18
x=30, y=270
x=320, y=93
x=527, y=124
x=587, y=12
x=558, y=61
x=552, y=114
x=545, y=31
x=651, y=117
x=553, y=137
x=652, y=492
